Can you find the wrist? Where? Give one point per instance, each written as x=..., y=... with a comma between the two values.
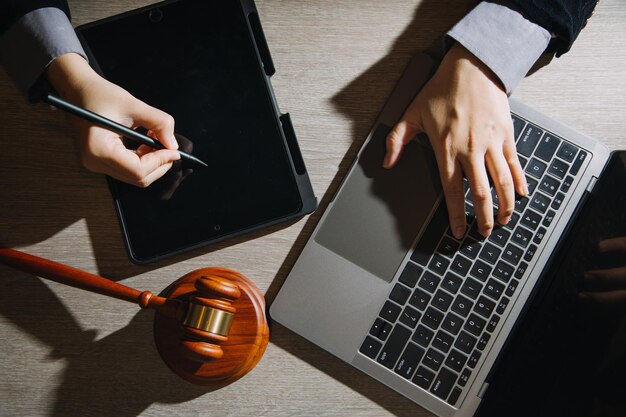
x=69, y=74
x=460, y=57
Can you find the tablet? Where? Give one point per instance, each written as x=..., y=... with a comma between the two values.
x=207, y=64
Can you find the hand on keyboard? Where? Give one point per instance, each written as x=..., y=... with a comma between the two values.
x=465, y=113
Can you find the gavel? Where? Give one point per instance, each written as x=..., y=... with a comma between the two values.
x=209, y=326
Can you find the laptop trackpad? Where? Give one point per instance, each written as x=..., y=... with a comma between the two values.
x=378, y=212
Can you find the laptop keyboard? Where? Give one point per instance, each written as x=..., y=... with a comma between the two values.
x=451, y=294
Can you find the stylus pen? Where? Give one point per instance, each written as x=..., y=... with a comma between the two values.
x=113, y=126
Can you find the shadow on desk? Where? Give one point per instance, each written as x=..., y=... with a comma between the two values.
x=118, y=375
x=360, y=101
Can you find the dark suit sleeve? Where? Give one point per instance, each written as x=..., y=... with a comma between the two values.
x=563, y=18
x=12, y=10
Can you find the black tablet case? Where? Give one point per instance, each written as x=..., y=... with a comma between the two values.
x=220, y=95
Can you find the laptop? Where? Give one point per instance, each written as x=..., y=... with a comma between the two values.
x=507, y=325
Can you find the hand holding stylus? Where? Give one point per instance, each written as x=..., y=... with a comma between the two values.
x=103, y=151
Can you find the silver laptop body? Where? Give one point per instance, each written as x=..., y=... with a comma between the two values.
x=365, y=240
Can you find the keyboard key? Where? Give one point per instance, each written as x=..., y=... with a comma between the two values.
x=400, y=294
x=480, y=270
x=520, y=203
x=512, y=254
x=510, y=289
x=443, y=341
x=548, y=217
x=530, y=252
x=484, y=307
x=432, y=318
x=370, y=347
x=473, y=359
x=438, y=264
x=526, y=144
x=380, y=329
x=429, y=282
x=390, y=311
x=567, y=183
x=443, y=383
x=419, y=299
x=513, y=221
x=558, y=168
x=428, y=242
x=475, y=325
x=410, y=316
x=452, y=323
x=470, y=248
x=531, y=219
x=521, y=270
x=442, y=300
x=540, y=202
x=464, y=377
x=547, y=147
x=494, y=289
x=499, y=236
x=482, y=342
x=518, y=126
x=578, y=162
x=521, y=236
x=490, y=253
x=535, y=168
x=549, y=185
x=465, y=342
x=454, y=395
x=462, y=305
x=461, y=265
x=558, y=200
x=456, y=360
x=451, y=283
x=541, y=233
x=504, y=302
x=410, y=274
x=409, y=360
x=471, y=288
x=448, y=247
x=567, y=151
x=503, y=271
x=422, y=335
x=423, y=377
x=394, y=346
x=532, y=185
x=433, y=359
x=491, y=325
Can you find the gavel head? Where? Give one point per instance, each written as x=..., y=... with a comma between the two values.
x=224, y=332
x=209, y=316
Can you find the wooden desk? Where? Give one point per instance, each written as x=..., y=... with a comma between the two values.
x=66, y=352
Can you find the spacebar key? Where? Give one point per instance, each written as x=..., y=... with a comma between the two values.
x=443, y=383
x=430, y=238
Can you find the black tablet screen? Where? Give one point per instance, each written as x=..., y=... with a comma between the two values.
x=197, y=61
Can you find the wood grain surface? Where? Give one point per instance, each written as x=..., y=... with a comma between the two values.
x=64, y=352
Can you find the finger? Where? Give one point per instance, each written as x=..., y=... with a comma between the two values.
x=603, y=279
x=616, y=244
x=134, y=168
x=156, y=174
x=503, y=183
x=159, y=123
x=451, y=175
x=611, y=298
x=481, y=193
x=517, y=172
x=401, y=134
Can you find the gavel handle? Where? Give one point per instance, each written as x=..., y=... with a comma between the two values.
x=74, y=277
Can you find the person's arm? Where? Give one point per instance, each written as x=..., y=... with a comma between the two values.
x=42, y=43
x=465, y=113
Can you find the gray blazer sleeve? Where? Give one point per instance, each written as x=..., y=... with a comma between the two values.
x=502, y=39
x=33, y=42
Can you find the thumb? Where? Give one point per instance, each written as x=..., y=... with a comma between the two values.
x=159, y=123
x=400, y=135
